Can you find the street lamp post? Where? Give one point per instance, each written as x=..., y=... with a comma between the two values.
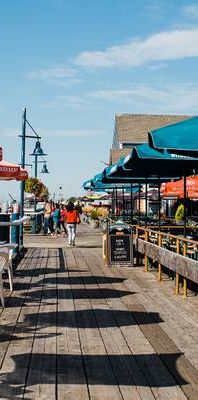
x=38, y=152
x=55, y=193
x=23, y=136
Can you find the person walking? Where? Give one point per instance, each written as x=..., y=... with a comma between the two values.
x=47, y=215
x=56, y=220
x=63, y=221
x=72, y=219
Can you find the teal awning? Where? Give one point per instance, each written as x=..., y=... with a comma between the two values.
x=180, y=138
x=87, y=184
x=144, y=154
x=123, y=179
x=146, y=162
x=97, y=184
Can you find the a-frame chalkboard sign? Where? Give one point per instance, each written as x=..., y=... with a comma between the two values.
x=120, y=249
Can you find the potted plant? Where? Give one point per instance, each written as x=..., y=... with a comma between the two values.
x=94, y=222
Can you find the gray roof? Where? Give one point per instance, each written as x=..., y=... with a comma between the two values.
x=135, y=127
x=115, y=154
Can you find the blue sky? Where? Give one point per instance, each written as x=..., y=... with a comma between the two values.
x=75, y=64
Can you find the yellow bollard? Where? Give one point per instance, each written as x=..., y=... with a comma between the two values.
x=146, y=260
x=159, y=265
x=159, y=273
x=184, y=287
x=184, y=279
x=177, y=283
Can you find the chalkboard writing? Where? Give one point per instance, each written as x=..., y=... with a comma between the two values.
x=120, y=249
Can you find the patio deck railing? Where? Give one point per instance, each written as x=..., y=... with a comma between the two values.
x=177, y=253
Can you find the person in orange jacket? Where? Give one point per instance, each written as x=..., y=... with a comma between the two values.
x=72, y=220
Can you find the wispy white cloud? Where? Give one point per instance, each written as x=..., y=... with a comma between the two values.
x=154, y=8
x=145, y=98
x=164, y=46
x=173, y=98
x=191, y=11
x=56, y=133
x=157, y=66
x=55, y=72
x=62, y=102
x=58, y=74
x=65, y=133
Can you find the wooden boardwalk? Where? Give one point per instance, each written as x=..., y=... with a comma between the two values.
x=75, y=330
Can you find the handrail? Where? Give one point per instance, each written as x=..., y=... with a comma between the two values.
x=152, y=229
x=160, y=251
x=171, y=236
x=15, y=222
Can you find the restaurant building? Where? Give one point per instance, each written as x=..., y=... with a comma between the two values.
x=131, y=130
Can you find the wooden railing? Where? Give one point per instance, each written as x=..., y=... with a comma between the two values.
x=177, y=253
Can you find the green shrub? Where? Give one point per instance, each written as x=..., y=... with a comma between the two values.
x=94, y=214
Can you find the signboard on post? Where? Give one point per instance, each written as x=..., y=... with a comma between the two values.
x=120, y=250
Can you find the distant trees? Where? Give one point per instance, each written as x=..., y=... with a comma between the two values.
x=35, y=186
x=72, y=199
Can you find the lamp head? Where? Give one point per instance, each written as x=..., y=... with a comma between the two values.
x=44, y=169
x=38, y=151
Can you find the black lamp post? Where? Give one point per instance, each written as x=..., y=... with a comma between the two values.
x=38, y=152
x=23, y=136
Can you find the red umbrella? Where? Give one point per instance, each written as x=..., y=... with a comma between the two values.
x=10, y=171
x=23, y=175
x=177, y=188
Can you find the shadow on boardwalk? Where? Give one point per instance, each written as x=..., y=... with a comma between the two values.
x=67, y=333
x=100, y=370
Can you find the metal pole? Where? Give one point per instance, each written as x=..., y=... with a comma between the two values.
x=185, y=203
x=131, y=204
x=123, y=205
x=146, y=208
x=159, y=203
x=22, y=182
x=116, y=200
x=113, y=202
x=35, y=175
x=36, y=166
x=139, y=204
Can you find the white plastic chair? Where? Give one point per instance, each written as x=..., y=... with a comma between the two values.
x=4, y=264
x=9, y=248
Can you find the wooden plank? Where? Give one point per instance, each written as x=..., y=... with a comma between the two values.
x=101, y=380
x=69, y=357
x=87, y=332
x=157, y=376
x=122, y=361
x=185, y=374
x=41, y=377
x=16, y=362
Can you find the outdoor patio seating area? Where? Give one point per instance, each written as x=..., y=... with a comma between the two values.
x=74, y=329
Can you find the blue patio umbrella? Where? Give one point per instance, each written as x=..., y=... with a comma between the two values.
x=179, y=138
